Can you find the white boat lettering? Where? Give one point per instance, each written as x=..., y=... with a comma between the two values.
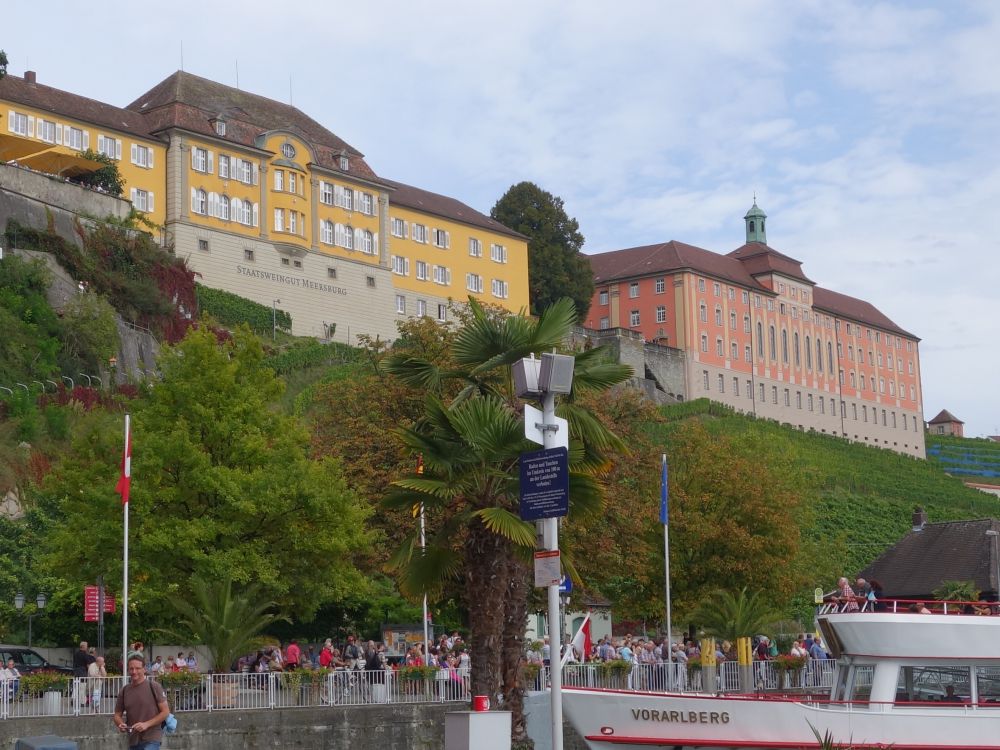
x=681, y=717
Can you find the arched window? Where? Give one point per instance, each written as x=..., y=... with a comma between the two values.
x=760, y=339
x=224, y=207
x=718, y=315
x=732, y=320
x=326, y=231
x=703, y=312
x=784, y=346
x=199, y=201
x=751, y=225
x=368, y=240
x=829, y=356
x=853, y=380
x=704, y=342
x=772, y=340
x=809, y=356
x=349, y=237
x=819, y=355
x=795, y=349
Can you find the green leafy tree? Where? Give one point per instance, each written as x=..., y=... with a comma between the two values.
x=89, y=331
x=29, y=344
x=728, y=616
x=229, y=623
x=471, y=441
x=223, y=488
x=556, y=266
x=108, y=178
x=3, y=64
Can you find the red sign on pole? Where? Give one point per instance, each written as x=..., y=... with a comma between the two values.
x=91, y=603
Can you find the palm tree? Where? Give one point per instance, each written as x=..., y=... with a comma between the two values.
x=727, y=616
x=471, y=436
x=226, y=622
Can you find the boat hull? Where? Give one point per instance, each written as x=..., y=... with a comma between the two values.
x=627, y=719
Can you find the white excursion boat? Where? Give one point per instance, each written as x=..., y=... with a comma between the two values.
x=902, y=680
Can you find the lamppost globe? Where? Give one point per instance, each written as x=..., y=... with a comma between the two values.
x=41, y=600
x=19, y=600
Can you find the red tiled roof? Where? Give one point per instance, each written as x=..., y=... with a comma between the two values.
x=441, y=205
x=738, y=267
x=74, y=106
x=184, y=100
x=759, y=258
x=636, y=262
x=945, y=416
x=855, y=309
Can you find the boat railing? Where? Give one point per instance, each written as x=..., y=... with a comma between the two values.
x=817, y=674
x=910, y=606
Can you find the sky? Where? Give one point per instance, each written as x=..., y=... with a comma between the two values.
x=869, y=131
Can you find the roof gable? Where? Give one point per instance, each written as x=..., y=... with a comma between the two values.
x=667, y=257
x=184, y=100
x=945, y=416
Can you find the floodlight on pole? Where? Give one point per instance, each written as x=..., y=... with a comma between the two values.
x=544, y=379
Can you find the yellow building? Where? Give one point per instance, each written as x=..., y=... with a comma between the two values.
x=265, y=202
x=46, y=129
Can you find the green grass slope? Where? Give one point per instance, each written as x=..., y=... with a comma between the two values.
x=862, y=498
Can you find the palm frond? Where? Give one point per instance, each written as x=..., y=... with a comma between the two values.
x=554, y=324
x=583, y=425
x=599, y=377
x=501, y=521
x=415, y=372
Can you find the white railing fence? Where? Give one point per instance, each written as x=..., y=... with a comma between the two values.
x=242, y=692
x=250, y=691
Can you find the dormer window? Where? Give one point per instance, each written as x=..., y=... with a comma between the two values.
x=344, y=163
x=288, y=150
x=220, y=127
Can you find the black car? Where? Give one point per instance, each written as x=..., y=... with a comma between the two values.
x=28, y=661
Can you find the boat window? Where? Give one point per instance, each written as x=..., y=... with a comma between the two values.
x=936, y=684
x=861, y=683
x=988, y=686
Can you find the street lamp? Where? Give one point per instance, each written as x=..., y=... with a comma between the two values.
x=996, y=556
x=40, y=602
x=274, y=318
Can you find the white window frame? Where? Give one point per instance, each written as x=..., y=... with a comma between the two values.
x=199, y=159
x=499, y=288
x=397, y=227
x=326, y=232
x=475, y=248
x=18, y=124
x=498, y=253
x=420, y=233
x=326, y=193
x=474, y=282
x=421, y=272
x=400, y=304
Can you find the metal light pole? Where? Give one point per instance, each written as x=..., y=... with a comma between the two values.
x=554, y=374
x=274, y=318
x=996, y=556
x=40, y=602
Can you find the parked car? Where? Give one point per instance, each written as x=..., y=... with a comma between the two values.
x=28, y=661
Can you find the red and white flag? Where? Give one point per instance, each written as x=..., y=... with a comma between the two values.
x=125, y=480
x=581, y=642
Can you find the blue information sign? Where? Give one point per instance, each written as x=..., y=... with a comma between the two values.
x=566, y=585
x=544, y=484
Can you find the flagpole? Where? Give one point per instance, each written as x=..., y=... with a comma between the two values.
x=423, y=542
x=127, y=476
x=664, y=517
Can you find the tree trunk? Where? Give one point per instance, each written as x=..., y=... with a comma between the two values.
x=486, y=555
x=515, y=622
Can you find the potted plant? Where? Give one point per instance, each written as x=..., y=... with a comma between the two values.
x=183, y=689
x=48, y=684
x=615, y=672
x=787, y=664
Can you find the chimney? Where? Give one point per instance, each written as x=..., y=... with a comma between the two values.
x=919, y=519
x=29, y=76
